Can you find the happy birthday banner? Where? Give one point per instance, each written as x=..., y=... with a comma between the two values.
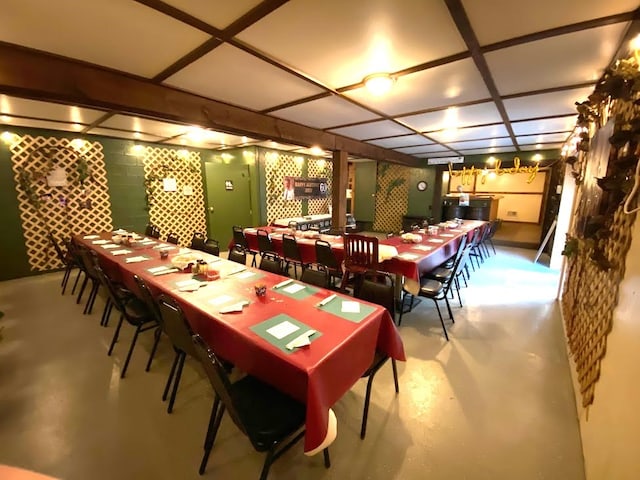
x=468, y=174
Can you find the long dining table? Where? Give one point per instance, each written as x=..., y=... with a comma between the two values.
x=257, y=334
x=407, y=260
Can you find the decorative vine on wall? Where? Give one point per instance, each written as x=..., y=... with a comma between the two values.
x=600, y=237
x=61, y=187
x=392, y=194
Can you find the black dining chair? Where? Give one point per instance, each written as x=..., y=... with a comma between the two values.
x=212, y=247
x=240, y=239
x=267, y=416
x=131, y=309
x=271, y=262
x=152, y=230
x=443, y=273
x=198, y=241
x=238, y=255
x=88, y=266
x=66, y=258
x=174, y=324
x=378, y=288
x=327, y=259
x=291, y=255
x=173, y=238
x=264, y=242
x=319, y=278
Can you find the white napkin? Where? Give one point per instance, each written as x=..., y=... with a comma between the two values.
x=408, y=256
x=110, y=246
x=449, y=235
x=236, y=307
x=424, y=248
x=301, y=341
x=282, y=284
x=100, y=242
x=327, y=300
x=282, y=329
x=436, y=240
x=350, y=307
x=137, y=259
x=120, y=252
x=189, y=285
x=294, y=288
x=91, y=237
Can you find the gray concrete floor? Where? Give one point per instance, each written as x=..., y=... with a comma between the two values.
x=496, y=402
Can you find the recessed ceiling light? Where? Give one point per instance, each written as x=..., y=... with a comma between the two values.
x=317, y=151
x=379, y=83
x=137, y=134
x=76, y=126
x=5, y=118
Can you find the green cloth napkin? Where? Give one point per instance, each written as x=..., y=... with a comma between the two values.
x=261, y=330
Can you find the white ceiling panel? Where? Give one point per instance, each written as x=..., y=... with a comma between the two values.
x=488, y=151
x=447, y=84
x=470, y=133
x=144, y=125
x=475, y=144
x=545, y=104
x=232, y=75
x=326, y=112
x=539, y=146
x=23, y=122
x=340, y=42
x=107, y=132
x=439, y=154
x=217, y=13
x=383, y=128
x=510, y=19
x=403, y=141
x=47, y=111
x=560, y=124
x=543, y=138
x=563, y=60
x=423, y=149
x=119, y=34
x=454, y=117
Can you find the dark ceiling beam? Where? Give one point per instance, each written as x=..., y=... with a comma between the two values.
x=252, y=16
x=98, y=121
x=461, y=20
x=300, y=101
x=189, y=58
x=565, y=29
x=32, y=74
x=181, y=16
x=549, y=90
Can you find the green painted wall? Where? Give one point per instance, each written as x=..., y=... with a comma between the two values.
x=421, y=203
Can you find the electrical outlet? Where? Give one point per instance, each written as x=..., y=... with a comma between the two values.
x=512, y=213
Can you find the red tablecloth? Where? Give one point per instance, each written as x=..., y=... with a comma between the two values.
x=318, y=375
x=411, y=269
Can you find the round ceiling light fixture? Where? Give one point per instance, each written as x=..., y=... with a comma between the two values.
x=379, y=83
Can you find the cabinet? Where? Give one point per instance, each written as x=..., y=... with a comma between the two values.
x=480, y=208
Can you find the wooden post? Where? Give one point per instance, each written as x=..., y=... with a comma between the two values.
x=339, y=190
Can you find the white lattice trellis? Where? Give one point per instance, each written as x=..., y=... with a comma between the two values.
x=278, y=166
x=62, y=210
x=176, y=211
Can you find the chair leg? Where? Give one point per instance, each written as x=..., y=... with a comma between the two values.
x=444, y=328
x=214, y=424
x=365, y=414
x=115, y=335
x=395, y=374
x=171, y=374
x=157, y=335
x=130, y=352
x=93, y=293
x=106, y=313
x=327, y=459
x=267, y=463
x=65, y=278
x=75, y=284
x=446, y=300
x=176, y=382
x=84, y=284
x=253, y=261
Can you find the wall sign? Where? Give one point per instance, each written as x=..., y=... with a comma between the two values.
x=169, y=184
x=228, y=184
x=298, y=188
x=468, y=174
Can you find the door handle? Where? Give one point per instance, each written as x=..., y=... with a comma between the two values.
x=210, y=209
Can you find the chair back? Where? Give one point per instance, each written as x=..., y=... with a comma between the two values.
x=106, y=282
x=378, y=288
x=271, y=262
x=212, y=247
x=172, y=238
x=293, y=224
x=89, y=261
x=56, y=246
x=264, y=241
x=290, y=249
x=319, y=278
x=460, y=262
x=152, y=230
x=360, y=252
x=239, y=238
x=238, y=255
x=325, y=256
x=147, y=298
x=175, y=325
x=218, y=378
x=198, y=241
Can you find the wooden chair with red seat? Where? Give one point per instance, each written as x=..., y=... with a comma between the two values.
x=360, y=256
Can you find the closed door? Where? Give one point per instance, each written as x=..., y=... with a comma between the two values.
x=365, y=191
x=228, y=199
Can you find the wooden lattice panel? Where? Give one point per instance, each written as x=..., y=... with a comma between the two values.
x=175, y=211
x=63, y=210
x=318, y=167
x=391, y=207
x=278, y=166
x=590, y=297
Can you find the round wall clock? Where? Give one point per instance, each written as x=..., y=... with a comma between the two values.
x=422, y=186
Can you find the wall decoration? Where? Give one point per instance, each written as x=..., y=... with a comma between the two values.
x=467, y=175
x=187, y=190
x=277, y=166
x=182, y=214
x=80, y=205
x=169, y=184
x=305, y=188
x=600, y=237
